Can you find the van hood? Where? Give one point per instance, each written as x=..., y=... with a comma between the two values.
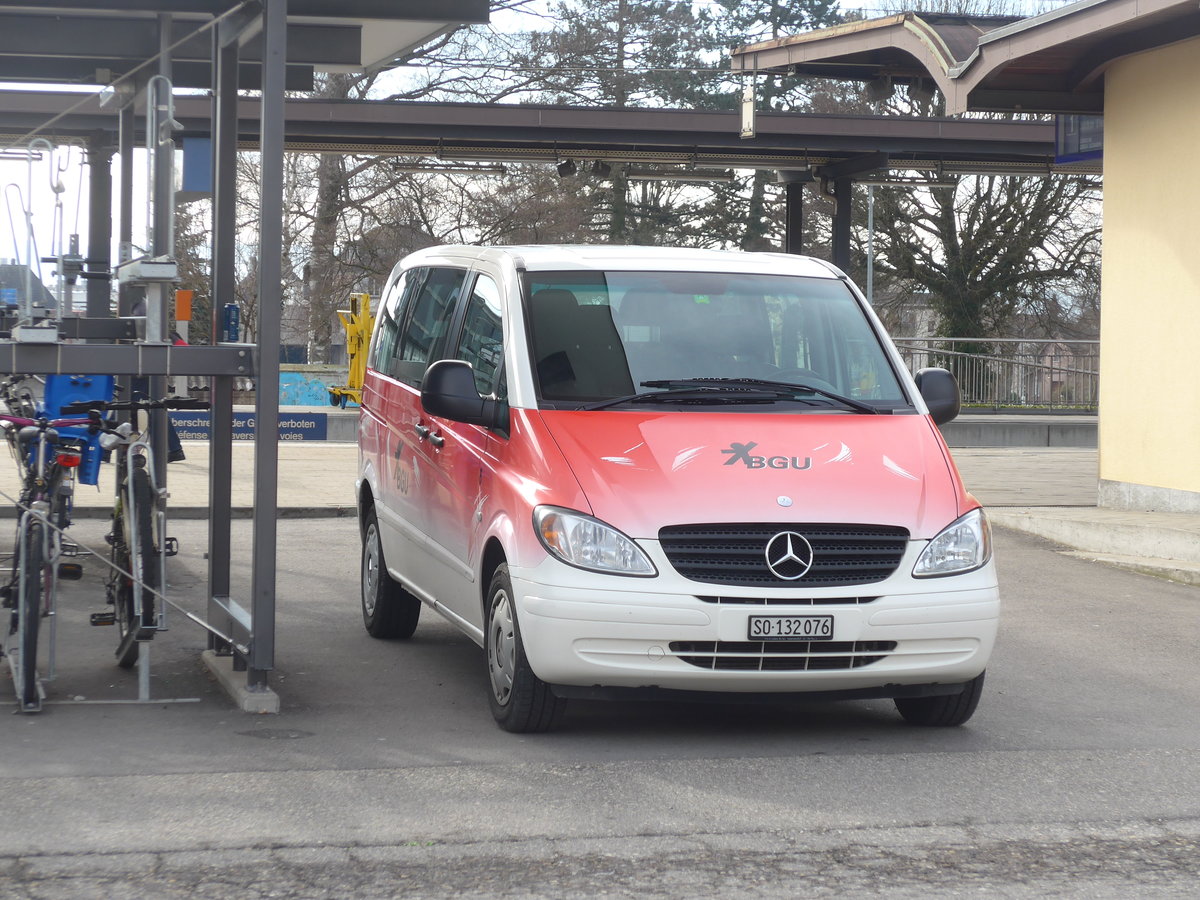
x=642, y=471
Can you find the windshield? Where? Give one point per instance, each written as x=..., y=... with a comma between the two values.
x=600, y=336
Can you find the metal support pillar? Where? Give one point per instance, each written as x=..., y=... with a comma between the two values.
x=220, y=511
x=99, y=252
x=125, y=139
x=794, y=217
x=266, y=406
x=224, y=277
x=842, y=195
x=162, y=237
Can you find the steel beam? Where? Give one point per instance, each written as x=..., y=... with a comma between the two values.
x=546, y=133
x=220, y=506
x=855, y=165
x=128, y=359
x=224, y=279
x=794, y=217
x=842, y=198
x=118, y=42
x=465, y=11
x=266, y=395
x=99, y=245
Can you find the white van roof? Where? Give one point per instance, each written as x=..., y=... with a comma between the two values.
x=559, y=257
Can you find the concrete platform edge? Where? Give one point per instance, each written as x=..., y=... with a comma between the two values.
x=264, y=702
x=1172, y=570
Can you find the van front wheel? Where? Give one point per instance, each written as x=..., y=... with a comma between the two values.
x=950, y=710
x=521, y=702
x=388, y=610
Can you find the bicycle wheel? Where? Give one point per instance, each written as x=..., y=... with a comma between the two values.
x=141, y=561
x=30, y=612
x=120, y=590
x=147, y=561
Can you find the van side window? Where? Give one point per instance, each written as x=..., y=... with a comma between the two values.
x=482, y=342
x=426, y=322
x=387, y=324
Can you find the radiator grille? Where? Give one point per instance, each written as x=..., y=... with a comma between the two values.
x=781, y=656
x=735, y=554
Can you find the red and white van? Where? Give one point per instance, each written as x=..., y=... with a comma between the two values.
x=638, y=471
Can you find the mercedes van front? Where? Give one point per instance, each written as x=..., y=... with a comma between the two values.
x=643, y=472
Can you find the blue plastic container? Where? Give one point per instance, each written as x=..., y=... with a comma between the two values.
x=64, y=389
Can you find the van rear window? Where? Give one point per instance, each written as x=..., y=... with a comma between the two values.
x=601, y=335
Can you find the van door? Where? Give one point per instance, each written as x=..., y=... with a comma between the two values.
x=417, y=481
x=463, y=455
x=383, y=399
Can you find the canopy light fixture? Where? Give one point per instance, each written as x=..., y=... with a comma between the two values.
x=601, y=169
x=566, y=168
x=921, y=91
x=880, y=88
x=678, y=175
x=795, y=176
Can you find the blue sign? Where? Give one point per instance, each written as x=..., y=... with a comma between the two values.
x=194, y=426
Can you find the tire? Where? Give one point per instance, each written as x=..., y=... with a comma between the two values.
x=148, y=561
x=520, y=701
x=945, y=711
x=388, y=610
x=333, y=399
x=121, y=589
x=144, y=567
x=31, y=613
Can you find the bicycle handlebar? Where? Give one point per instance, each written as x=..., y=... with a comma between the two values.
x=89, y=406
x=23, y=421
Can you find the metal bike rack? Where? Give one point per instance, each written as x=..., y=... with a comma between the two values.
x=338, y=35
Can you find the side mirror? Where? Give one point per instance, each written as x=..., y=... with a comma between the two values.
x=940, y=391
x=448, y=390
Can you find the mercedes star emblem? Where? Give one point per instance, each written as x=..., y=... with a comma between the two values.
x=789, y=555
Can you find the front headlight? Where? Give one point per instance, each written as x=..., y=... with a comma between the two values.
x=588, y=543
x=965, y=544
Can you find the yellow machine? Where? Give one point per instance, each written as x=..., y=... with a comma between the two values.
x=358, y=322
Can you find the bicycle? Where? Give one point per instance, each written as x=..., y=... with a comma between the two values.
x=18, y=399
x=47, y=464
x=138, y=534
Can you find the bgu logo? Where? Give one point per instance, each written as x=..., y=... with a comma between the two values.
x=742, y=453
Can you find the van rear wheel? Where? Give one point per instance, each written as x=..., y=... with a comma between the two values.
x=388, y=610
x=521, y=702
x=945, y=711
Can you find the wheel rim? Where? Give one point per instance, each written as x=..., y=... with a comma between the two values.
x=370, y=573
x=502, y=647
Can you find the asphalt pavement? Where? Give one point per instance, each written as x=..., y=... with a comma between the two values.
x=383, y=774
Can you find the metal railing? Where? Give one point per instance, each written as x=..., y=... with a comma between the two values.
x=1014, y=373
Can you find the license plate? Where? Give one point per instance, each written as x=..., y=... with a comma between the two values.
x=791, y=628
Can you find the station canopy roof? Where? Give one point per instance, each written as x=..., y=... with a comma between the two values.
x=1054, y=62
x=99, y=41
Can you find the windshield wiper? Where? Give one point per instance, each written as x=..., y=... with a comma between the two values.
x=788, y=388
x=698, y=394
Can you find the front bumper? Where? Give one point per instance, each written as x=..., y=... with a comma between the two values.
x=590, y=630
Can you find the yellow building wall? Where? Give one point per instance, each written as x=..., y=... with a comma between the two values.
x=1150, y=301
